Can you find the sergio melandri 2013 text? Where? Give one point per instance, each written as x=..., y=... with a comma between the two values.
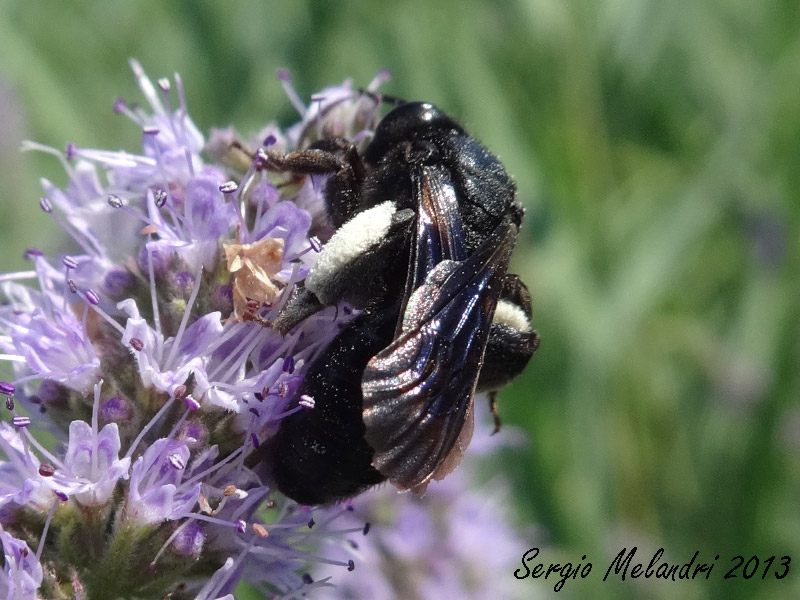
x=624, y=565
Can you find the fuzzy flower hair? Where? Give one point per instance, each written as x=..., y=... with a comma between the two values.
x=143, y=351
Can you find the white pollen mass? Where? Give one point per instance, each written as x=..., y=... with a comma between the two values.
x=512, y=315
x=351, y=240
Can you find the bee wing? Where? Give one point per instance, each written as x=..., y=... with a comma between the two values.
x=418, y=390
x=439, y=232
x=439, y=235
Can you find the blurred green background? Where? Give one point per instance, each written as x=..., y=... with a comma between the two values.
x=656, y=145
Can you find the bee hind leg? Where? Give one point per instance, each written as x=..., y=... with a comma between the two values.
x=512, y=340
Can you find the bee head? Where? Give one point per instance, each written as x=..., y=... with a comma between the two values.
x=408, y=122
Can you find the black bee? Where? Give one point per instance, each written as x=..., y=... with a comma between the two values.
x=425, y=222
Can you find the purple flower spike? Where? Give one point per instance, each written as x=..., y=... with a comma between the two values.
x=166, y=380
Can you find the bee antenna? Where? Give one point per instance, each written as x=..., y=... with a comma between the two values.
x=383, y=98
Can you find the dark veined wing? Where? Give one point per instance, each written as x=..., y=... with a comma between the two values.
x=418, y=390
x=439, y=235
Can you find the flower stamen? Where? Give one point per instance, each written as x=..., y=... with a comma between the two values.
x=177, y=340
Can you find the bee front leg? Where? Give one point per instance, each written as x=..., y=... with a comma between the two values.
x=337, y=157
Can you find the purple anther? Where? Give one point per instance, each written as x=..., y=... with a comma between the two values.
x=160, y=196
x=229, y=187
x=288, y=365
x=177, y=462
x=92, y=297
x=120, y=105
x=32, y=253
x=19, y=421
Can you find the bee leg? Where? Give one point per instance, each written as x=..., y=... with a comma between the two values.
x=359, y=264
x=301, y=305
x=352, y=267
x=328, y=156
x=335, y=156
x=383, y=98
x=493, y=408
x=512, y=341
